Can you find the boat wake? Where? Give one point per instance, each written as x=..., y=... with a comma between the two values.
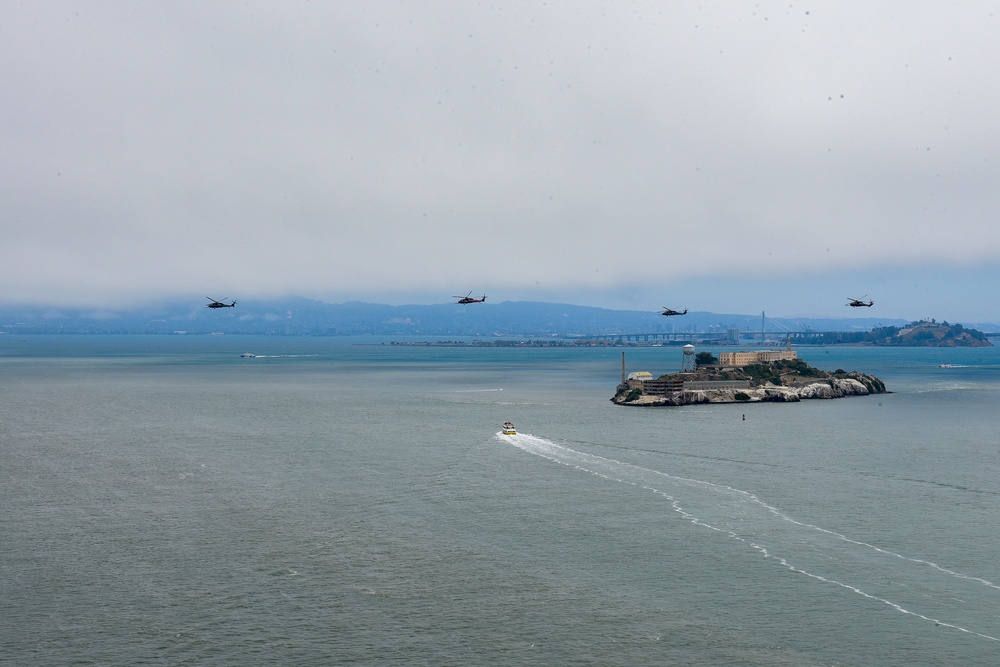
x=916, y=587
x=277, y=356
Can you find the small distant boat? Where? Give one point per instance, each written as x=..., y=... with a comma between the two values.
x=508, y=429
x=945, y=366
x=248, y=355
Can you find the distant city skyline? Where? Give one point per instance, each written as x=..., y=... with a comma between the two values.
x=722, y=157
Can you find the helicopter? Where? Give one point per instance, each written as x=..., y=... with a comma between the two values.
x=667, y=312
x=220, y=304
x=468, y=298
x=858, y=303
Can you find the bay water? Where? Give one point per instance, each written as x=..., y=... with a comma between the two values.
x=165, y=501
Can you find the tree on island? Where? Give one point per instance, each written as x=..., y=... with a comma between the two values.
x=705, y=359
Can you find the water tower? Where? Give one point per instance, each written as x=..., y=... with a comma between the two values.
x=687, y=359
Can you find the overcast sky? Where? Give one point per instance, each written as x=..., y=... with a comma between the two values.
x=724, y=156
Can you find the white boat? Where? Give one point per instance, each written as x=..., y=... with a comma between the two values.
x=508, y=429
x=248, y=355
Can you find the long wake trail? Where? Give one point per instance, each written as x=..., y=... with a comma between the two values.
x=916, y=587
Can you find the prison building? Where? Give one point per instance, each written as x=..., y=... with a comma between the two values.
x=737, y=359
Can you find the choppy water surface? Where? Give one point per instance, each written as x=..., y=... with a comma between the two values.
x=328, y=502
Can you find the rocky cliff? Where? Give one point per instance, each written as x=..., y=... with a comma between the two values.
x=777, y=382
x=767, y=393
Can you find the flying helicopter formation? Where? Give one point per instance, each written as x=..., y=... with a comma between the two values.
x=220, y=304
x=468, y=298
x=859, y=303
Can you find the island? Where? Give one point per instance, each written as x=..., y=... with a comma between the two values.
x=776, y=376
x=922, y=333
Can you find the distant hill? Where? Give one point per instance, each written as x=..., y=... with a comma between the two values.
x=296, y=316
x=914, y=334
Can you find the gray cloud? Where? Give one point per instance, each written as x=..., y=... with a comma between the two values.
x=402, y=150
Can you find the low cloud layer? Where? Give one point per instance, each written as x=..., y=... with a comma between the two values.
x=405, y=150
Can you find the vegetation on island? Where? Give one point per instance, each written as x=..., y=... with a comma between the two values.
x=782, y=373
x=705, y=359
x=922, y=333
